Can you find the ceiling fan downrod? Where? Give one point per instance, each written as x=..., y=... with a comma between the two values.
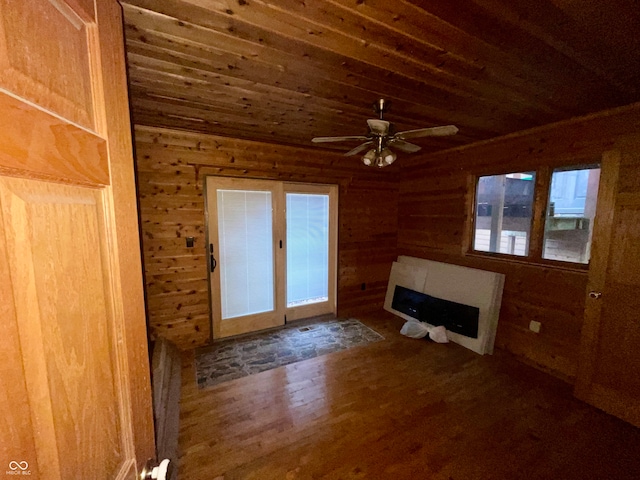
x=381, y=106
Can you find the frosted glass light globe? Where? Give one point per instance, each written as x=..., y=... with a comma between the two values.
x=369, y=157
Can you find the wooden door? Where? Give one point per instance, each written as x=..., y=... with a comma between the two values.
x=610, y=351
x=75, y=399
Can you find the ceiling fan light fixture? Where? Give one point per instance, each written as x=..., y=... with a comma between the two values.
x=380, y=158
x=369, y=157
x=388, y=156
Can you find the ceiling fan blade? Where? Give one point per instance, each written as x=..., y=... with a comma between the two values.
x=337, y=139
x=358, y=149
x=403, y=146
x=443, y=131
x=378, y=127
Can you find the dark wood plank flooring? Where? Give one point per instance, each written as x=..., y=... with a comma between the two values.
x=399, y=409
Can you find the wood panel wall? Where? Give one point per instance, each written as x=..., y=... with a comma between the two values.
x=171, y=167
x=434, y=216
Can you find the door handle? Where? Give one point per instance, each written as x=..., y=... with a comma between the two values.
x=596, y=295
x=162, y=471
x=213, y=263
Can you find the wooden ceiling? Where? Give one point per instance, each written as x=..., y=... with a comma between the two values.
x=285, y=71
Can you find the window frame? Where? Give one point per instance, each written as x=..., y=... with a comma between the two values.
x=542, y=187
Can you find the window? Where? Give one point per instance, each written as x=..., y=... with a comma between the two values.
x=507, y=206
x=503, y=213
x=570, y=213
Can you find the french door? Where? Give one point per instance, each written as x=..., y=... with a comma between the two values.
x=271, y=251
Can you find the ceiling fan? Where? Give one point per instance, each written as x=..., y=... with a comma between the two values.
x=381, y=137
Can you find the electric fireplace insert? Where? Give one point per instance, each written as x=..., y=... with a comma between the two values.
x=455, y=317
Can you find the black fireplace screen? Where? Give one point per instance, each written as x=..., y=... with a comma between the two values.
x=455, y=317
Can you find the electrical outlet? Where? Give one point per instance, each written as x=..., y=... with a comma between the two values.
x=534, y=326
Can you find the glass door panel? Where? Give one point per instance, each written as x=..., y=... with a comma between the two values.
x=246, y=252
x=243, y=265
x=307, y=249
x=311, y=249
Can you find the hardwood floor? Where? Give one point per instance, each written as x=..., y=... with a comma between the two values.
x=399, y=409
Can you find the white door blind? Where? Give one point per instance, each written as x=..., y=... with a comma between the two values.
x=307, y=248
x=246, y=252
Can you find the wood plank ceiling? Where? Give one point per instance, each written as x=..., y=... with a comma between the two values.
x=285, y=71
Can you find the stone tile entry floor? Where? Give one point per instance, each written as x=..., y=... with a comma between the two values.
x=226, y=360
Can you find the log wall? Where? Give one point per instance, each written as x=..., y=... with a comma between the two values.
x=171, y=166
x=434, y=219
x=421, y=210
